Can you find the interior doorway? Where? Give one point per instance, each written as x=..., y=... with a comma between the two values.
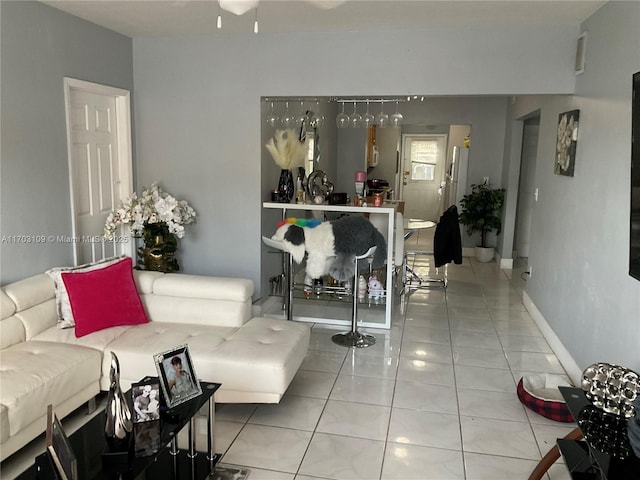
x=526, y=190
x=100, y=165
x=423, y=159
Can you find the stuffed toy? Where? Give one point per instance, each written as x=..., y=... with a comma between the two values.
x=375, y=287
x=331, y=247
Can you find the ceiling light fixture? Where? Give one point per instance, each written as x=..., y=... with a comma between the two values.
x=238, y=7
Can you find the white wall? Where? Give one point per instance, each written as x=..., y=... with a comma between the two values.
x=40, y=46
x=580, y=230
x=198, y=106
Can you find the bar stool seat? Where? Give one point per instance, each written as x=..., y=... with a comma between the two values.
x=354, y=338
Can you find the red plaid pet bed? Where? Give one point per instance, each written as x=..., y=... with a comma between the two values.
x=540, y=393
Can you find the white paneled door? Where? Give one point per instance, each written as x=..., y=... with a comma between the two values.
x=423, y=158
x=99, y=165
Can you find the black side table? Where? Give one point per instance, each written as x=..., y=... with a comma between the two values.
x=604, y=454
x=168, y=462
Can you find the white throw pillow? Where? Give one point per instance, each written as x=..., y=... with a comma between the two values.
x=63, y=306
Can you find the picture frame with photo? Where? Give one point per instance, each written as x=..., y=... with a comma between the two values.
x=145, y=398
x=177, y=375
x=59, y=448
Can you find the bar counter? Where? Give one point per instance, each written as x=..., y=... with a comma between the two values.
x=310, y=314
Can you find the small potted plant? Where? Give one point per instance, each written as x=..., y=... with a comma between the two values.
x=480, y=213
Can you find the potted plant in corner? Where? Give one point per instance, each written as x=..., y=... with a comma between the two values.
x=480, y=213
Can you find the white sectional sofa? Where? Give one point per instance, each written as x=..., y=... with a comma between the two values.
x=254, y=359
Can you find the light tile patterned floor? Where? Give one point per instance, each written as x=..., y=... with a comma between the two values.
x=435, y=399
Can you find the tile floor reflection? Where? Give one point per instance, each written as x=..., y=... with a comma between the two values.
x=435, y=398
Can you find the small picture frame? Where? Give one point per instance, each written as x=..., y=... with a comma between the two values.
x=145, y=398
x=177, y=375
x=59, y=448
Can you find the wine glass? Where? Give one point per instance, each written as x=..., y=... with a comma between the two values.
x=342, y=120
x=302, y=116
x=318, y=118
x=272, y=119
x=382, y=119
x=368, y=118
x=288, y=120
x=396, y=118
x=355, y=120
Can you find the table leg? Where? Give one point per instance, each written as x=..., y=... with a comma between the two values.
x=192, y=446
x=289, y=302
x=174, y=453
x=211, y=447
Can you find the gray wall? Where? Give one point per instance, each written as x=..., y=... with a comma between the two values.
x=580, y=226
x=40, y=46
x=198, y=107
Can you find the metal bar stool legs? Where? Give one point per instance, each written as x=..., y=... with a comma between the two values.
x=354, y=338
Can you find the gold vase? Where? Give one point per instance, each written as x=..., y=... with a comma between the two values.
x=157, y=258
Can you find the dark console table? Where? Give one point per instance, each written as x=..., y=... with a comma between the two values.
x=604, y=454
x=89, y=444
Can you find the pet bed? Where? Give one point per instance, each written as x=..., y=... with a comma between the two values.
x=540, y=393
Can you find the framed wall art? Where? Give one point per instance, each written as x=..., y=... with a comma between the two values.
x=566, y=143
x=177, y=375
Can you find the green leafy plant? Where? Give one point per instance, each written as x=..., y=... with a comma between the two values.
x=480, y=211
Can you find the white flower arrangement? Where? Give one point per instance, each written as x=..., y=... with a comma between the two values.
x=287, y=150
x=153, y=207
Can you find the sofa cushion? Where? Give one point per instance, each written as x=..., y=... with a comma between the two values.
x=30, y=291
x=202, y=311
x=144, y=280
x=35, y=374
x=65, y=314
x=34, y=301
x=262, y=356
x=10, y=325
x=198, y=286
x=4, y=423
x=7, y=307
x=104, y=298
x=96, y=340
x=136, y=347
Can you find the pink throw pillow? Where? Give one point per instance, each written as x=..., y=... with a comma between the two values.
x=104, y=298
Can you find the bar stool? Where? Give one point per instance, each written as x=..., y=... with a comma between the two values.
x=354, y=338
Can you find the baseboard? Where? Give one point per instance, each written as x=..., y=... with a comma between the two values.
x=505, y=263
x=564, y=357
